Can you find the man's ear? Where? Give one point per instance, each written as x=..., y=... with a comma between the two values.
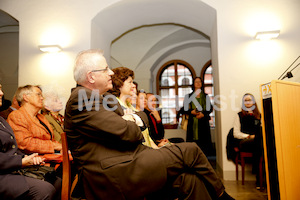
x=25, y=97
x=90, y=77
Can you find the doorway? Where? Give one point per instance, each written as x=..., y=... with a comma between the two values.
x=9, y=54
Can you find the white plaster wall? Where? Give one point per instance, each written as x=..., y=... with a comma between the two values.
x=52, y=22
x=245, y=63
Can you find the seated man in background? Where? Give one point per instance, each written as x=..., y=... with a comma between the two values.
x=15, y=186
x=14, y=106
x=108, y=151
x=33, y=132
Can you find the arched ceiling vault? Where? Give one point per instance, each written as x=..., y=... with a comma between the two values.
x=134, y=31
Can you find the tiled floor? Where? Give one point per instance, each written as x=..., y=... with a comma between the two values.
x=244, y=192
x=239, y=191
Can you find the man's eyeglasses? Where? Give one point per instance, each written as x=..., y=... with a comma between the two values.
x=106, y=69
x=37, y=94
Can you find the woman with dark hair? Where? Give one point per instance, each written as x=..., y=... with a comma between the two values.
x=247, y=128
x=197, y=105
x=123, y=89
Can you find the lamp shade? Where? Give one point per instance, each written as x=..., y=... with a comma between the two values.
x=267, y=35
x=50, y=48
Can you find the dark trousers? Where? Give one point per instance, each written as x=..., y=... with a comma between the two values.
x=190, y=173
x=177, y=171
x=41, y=190
x=186, y=186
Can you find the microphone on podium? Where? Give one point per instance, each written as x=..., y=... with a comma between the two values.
x=287, y=73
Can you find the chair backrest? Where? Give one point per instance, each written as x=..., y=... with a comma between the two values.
x=232, y=145
x=66, y=176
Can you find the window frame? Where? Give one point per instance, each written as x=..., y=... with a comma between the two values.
x=176, y=87
x=203, y=70
x=205, y=67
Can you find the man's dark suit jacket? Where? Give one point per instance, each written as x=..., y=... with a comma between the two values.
x=11, y=186
x=108, y=150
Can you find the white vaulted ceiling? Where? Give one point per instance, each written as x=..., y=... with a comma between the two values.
x=136, y=46
x=145, y=32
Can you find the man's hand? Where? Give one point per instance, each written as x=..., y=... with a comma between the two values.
x=128, y=117
x=33, y=159
x=128, y=111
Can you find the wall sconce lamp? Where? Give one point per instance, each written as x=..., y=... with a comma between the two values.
x=267, y=35
x=50, y=48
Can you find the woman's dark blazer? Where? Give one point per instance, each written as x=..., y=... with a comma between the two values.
x=11, y=186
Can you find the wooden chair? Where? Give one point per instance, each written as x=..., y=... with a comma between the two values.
x=66, y=176
x=240, y=158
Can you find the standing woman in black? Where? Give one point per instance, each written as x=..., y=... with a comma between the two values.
x=198, y=106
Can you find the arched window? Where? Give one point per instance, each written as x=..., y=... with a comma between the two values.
x=207, y=76
x=185, y=81
x=174, y=81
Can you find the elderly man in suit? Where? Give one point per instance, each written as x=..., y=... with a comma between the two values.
x=107, y=146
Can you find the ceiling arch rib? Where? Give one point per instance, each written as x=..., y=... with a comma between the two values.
x=179, y=38
x=173, y=48
x=144, y=42
x=178, y=48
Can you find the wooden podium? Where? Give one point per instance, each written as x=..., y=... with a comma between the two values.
x=281, y=137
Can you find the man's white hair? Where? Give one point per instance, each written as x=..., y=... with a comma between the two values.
x=86, y=61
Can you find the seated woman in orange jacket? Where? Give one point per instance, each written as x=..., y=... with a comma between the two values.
x=33, y=131
x=15, y=186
